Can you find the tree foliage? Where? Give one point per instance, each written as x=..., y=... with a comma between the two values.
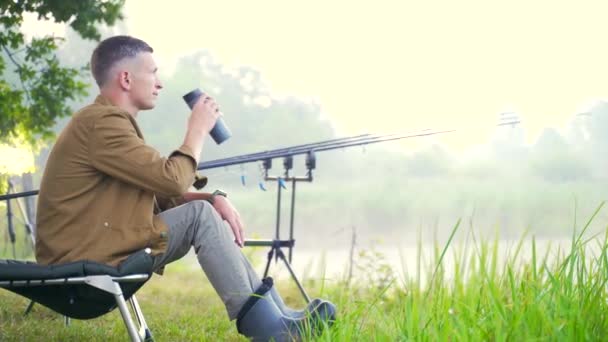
x=34, y=86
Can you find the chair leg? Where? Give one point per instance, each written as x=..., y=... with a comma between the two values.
x=106, y=283
x=144, y=331
x=29, y=308
x=126, y=316
x=66, y=319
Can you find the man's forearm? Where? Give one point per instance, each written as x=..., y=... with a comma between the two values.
x=194, y=139
x=196, y=196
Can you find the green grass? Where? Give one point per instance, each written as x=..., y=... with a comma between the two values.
x=484, y=296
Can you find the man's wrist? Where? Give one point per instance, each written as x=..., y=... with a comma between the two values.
x=217, y=192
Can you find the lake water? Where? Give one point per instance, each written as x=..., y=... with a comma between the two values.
x=334, y=264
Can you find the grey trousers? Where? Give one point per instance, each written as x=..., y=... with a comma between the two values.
x=197, y=224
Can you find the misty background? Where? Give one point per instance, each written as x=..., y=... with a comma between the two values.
x=389, y=195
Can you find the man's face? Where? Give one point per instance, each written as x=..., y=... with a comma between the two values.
x=145, y=84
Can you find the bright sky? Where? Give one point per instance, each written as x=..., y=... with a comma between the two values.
x=396, y=65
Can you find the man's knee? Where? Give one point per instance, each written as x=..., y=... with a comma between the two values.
x=209, y=225
x=204, y=211
x=200, y=207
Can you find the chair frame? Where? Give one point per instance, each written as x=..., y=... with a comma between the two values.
x=107, y=284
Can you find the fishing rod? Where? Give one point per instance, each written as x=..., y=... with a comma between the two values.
x=309, y=148
x=329, y=144
x=359, y=140
x=18, y=194
x=248, y=157
x=312, y=147
x=307, y=145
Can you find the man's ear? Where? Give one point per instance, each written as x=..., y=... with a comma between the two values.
x=124, y=79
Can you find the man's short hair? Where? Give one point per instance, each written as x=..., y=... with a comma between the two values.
x=111, y=51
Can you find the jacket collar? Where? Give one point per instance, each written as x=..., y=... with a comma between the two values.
x=101, y=100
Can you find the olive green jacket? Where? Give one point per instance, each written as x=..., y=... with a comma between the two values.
x=102, y=186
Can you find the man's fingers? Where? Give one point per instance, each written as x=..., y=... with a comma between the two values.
x=240, y=225
x=236, y=231
x=228, y=213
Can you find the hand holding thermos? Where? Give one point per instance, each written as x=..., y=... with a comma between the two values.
x=220, y=131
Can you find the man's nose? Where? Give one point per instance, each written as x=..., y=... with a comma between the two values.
x=159, y=85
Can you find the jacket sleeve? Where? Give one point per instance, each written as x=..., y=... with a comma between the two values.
x=166, y=203
x=116, y=150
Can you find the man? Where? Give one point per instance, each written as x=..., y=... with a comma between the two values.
x=104, y=190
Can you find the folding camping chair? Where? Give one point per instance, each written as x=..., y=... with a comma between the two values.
x=83, y=289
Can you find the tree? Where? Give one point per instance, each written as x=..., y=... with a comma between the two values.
x=553, y=159
x=35, y=88
x=35, y=91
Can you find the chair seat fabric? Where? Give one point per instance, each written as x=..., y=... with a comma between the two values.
x=79, y=301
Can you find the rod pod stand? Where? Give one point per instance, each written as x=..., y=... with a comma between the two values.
x=276, y=243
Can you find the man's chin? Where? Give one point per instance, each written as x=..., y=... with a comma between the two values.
x=148, y=106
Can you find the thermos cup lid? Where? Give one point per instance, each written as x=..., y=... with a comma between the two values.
x=192, y=96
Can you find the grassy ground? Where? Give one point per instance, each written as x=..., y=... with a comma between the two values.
x=560, y=295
